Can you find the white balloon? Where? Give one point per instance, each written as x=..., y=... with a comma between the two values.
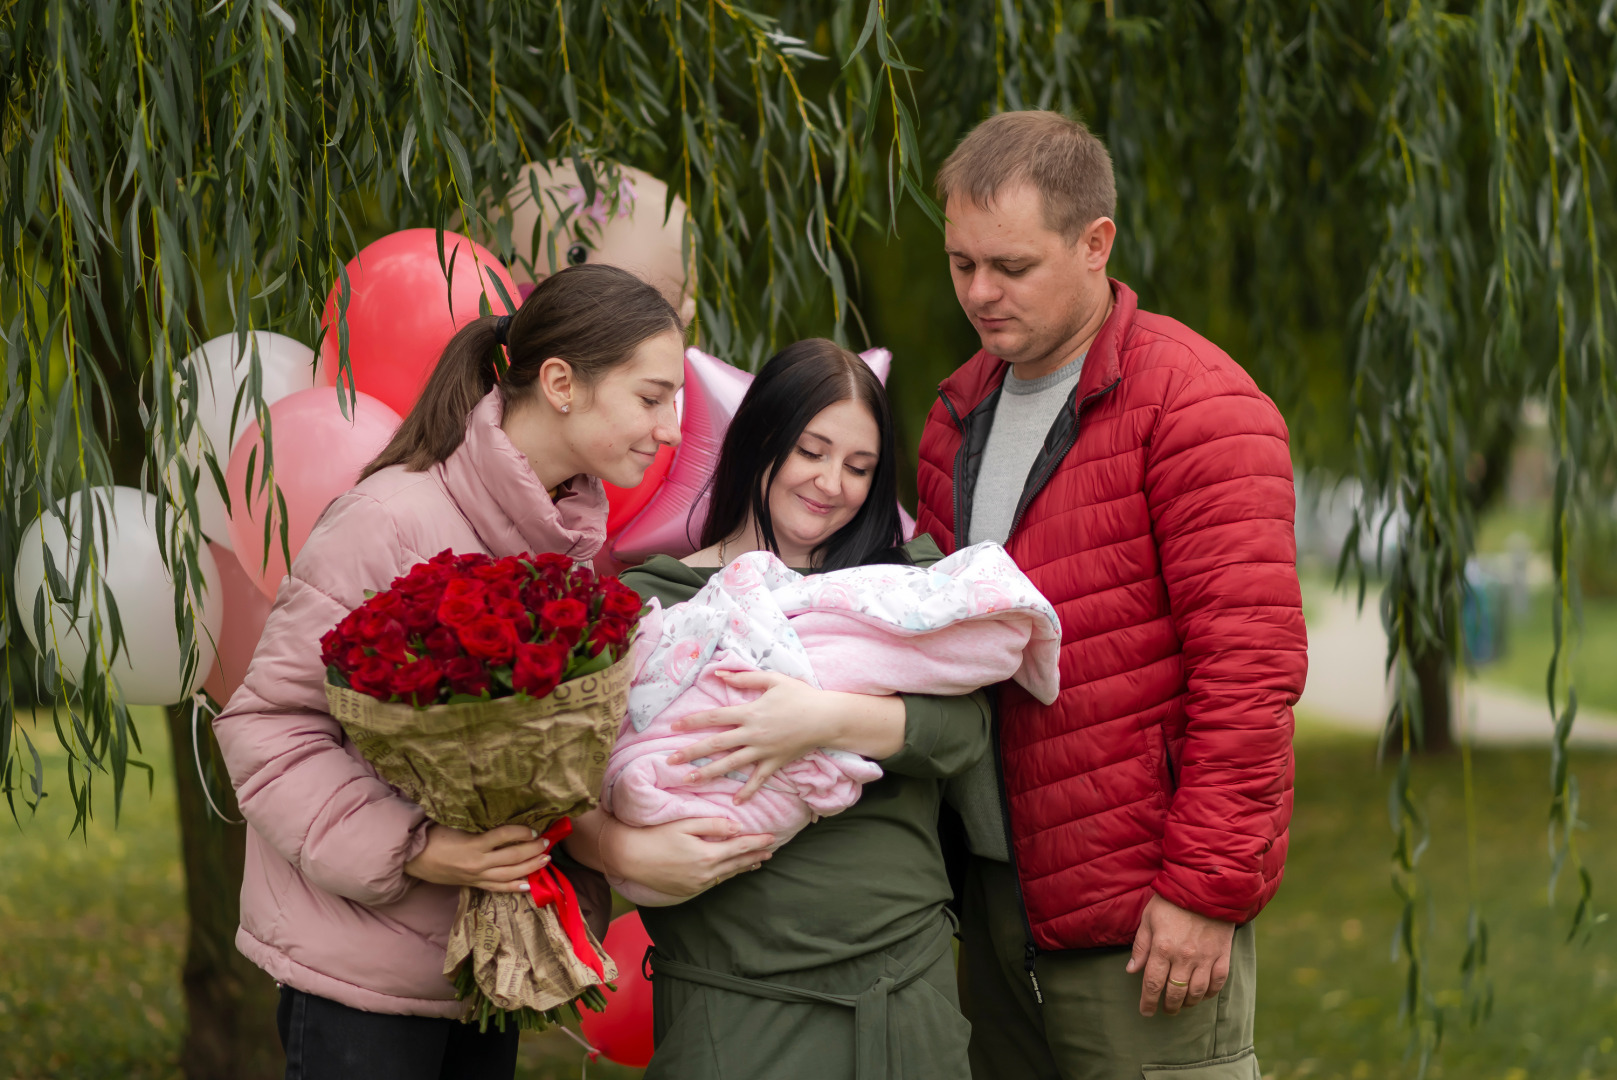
x=149, y=667
x=285, y=367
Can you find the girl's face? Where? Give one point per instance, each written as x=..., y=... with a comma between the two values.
x=824, y=480
x=614, y=428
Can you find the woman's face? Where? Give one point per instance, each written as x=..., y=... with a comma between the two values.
x=615, y=427
x=824, y=480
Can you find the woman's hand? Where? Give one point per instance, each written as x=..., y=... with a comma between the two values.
x=789, y=719
x=499, y=860
x=679, y=858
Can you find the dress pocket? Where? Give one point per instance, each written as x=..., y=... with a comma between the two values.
x=1241, y=1066
x=930, y=1033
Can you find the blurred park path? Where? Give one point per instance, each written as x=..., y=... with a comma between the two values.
x=1347, y=655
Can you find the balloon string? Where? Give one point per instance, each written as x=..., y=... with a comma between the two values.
x=199, y=701
x=590, y=1052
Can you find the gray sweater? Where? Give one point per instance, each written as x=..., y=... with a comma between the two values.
x=1027, y=408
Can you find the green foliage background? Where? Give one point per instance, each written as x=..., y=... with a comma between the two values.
x=1394, y=214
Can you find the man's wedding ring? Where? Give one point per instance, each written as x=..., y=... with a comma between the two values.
x=1176, y=982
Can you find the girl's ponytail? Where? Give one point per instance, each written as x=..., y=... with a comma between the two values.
x=592, y=316
x=437, y=422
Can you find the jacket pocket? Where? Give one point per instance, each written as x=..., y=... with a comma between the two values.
x=1241, y=1066
x=1167, y=778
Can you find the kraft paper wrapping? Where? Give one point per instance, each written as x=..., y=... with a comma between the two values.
x=508, y=761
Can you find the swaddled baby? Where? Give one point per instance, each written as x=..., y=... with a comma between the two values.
x=968, y=621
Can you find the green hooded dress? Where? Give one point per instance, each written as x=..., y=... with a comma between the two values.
x=834, y=961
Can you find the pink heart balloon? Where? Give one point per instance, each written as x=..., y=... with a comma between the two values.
x=319, y=454
x=672, y=522
x=246, y=609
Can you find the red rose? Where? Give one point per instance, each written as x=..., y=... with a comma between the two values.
x=503, y=577
x=383, y=634
x=465, y=675
x=620, y=601
x=563, y=615
x=535, y=593
x=463, y=563
x=373, y=676
x=539, y=668
x=441, y=643
x=467, y=587
x=515, y=613
x=389, y=603
x=552, y=571
x=419, y=616
x=422, y=578
x=609, y=632
x=456, y=564
x=458, y=611
x=489, y=638
x=333, y=646
x=417, y=681
x=581, y=584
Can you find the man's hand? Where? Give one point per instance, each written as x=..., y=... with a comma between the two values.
x=1183, y=953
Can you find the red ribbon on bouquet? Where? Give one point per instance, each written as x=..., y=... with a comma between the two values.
x=548, y=885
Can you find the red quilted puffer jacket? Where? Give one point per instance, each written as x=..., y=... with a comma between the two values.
x=1158, y=521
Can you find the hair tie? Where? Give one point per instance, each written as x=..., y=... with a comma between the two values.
x=501, y=325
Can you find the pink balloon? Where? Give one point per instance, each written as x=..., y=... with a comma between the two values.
x=671, y=523
x=623, y=1030
x=402, y=311
x=246, y=609
x=880, y=361
x=319, y=454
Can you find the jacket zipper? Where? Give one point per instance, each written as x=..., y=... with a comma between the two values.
x=1030, y=951
x=959, y=456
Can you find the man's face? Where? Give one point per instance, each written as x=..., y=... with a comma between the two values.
x=1028, y=291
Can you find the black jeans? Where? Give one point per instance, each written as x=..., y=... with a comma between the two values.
x=327, y=1041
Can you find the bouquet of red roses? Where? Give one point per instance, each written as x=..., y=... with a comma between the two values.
x=490, y=692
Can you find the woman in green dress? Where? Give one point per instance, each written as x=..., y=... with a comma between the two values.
x=833, y=957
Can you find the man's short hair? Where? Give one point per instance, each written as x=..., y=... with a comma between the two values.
x=1055, y=154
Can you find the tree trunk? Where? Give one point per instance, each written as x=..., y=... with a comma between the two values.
x=230, y=1002
x=1434, y=672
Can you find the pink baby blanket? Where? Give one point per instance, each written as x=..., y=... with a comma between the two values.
x=968, y=621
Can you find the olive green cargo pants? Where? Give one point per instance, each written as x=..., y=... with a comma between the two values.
x=1089, y=1026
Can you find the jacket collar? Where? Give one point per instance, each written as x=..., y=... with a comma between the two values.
x=983, y=373
x=491, y=482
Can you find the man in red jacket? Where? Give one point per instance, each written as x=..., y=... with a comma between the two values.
x=1122, y=839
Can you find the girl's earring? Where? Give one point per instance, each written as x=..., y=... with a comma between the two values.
x=564, y=408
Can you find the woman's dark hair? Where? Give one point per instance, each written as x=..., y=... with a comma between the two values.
x=794, y=387
x=593, y=316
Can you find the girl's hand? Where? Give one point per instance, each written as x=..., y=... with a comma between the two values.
x=679, y=858
x=499, y=860
x=789, y=719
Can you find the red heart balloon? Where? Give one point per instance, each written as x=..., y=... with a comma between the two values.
x=402, y=310
x=623, y=1031
x=624, y=503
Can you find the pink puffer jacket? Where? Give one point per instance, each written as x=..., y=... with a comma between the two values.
x=325, y=904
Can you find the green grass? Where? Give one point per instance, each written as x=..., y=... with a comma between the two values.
x=93, y=932
x=1531, y=638
x=1328, y=1005
x=92, y=936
